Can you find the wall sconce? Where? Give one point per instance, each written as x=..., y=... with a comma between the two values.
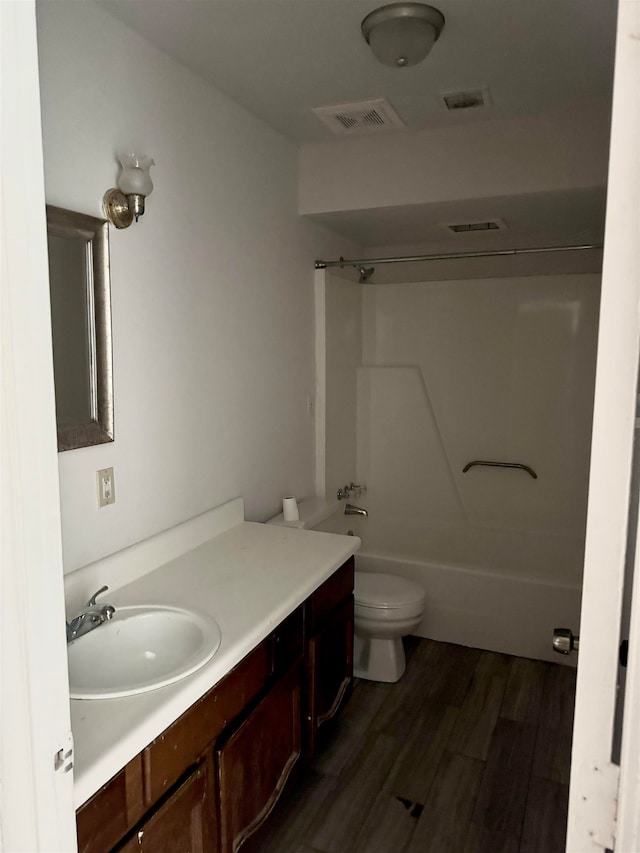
x=126, y=202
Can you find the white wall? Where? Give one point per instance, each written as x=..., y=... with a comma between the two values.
x=212, y=292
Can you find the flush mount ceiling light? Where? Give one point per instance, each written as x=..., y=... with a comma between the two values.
x=402, y=34
x=126, y=202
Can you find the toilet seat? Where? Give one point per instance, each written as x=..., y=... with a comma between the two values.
x=384, y=596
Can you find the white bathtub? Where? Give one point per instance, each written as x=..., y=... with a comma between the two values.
x=472, y=606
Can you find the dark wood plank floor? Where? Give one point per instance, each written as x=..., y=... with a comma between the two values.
x=468, y=753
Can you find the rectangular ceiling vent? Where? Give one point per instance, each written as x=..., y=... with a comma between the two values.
x=470, y=99
x=364, y=117
x=484, y=225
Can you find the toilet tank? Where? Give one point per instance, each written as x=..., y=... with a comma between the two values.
x=312, y=511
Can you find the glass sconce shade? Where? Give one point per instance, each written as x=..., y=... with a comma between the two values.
x=135, y=178
x=125, y=203
x=402, y=34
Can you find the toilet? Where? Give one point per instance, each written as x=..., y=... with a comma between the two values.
x=387, y=608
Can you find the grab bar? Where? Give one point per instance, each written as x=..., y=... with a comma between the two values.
x=500, y=465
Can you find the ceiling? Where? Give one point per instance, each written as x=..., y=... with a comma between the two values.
x=281, y=58
x=532, y=220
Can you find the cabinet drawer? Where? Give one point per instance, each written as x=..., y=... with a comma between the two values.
x=254, y=763
x=329, y=595
x=112, y=811
x=180, y=824
x=167, y=758
x=288, y=641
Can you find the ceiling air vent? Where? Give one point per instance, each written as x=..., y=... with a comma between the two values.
x=467, y=100
x=484, y=225
x=363, y=117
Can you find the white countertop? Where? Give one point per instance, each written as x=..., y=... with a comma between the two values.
x=248, y=579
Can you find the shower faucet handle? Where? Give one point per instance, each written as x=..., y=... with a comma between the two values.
x=356, y=487
x=348, y=491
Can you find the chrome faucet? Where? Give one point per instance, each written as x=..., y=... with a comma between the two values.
x=347, y=491
x=350, y=509
x=92, y=616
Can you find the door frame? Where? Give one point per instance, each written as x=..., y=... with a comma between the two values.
x=36, y=800
x=628, y=817
x=596, y=783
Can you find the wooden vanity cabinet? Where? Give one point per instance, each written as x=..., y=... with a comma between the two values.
x=135, y=800
x=211, y=778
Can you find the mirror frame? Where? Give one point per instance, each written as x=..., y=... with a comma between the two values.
x=95, y=233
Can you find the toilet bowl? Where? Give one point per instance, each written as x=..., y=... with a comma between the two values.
x=387, y=608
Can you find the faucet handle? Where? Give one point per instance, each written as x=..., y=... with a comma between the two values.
x=357, y=487
x=92, y=600
x=343, y=493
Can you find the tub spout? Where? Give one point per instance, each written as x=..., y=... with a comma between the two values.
x=350, y=509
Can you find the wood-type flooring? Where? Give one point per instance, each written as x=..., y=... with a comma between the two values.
x=468, y=753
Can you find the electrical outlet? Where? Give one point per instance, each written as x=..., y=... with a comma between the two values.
x=310, y=406
x=106, y=487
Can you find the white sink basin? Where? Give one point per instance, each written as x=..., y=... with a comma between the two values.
x=141, y=648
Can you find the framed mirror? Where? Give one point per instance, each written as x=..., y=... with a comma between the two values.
x=80, y=291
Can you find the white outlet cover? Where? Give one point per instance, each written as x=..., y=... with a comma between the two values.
x=106, y=487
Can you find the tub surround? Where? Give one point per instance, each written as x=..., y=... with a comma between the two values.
x=468, y=606
x=249, y=577
x=416, y=380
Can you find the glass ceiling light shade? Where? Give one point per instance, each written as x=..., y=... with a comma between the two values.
x=402, y=34
x=125, y=203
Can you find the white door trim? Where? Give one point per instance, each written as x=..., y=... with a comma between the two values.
x=36, y=802
x=628, y=820
x=594, y=779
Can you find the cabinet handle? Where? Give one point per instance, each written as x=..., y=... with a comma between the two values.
x=322, y=718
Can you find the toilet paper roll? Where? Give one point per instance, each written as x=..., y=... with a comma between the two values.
x=290, y=509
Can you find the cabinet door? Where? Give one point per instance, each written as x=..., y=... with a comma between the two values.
x=254, y=763
x=329, y=668
x=112, y=811
x=181, y=824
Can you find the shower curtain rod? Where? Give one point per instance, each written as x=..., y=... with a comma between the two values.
x=491, y=253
